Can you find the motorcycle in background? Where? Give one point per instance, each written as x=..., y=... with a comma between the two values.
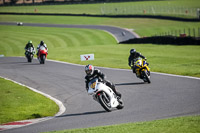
x=104, y=95
x=29, y=54
x=42, y=54
x=142, y=70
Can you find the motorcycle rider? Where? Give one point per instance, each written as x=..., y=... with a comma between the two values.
x=132, y=58
x=41, y=44
x=28, y=45
x=92, y=73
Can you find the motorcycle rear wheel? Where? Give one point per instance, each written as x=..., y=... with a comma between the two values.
x=29, y=59
x=104, y=102
x=42, y=59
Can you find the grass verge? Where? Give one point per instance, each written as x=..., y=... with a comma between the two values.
x=68, y=44
x=20, y=103
x=188, y=124
x=97, y=8
x=169, y=59
x=142, y=26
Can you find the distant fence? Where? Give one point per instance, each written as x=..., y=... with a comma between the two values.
x=187, y=32
x=149, y=10
x=118, y=9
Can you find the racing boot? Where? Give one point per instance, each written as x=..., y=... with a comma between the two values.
x=133, y=68
x=112, y=86
x=117, y=93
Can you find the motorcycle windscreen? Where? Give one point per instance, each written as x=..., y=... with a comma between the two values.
x=92, y=85
x=42, y=48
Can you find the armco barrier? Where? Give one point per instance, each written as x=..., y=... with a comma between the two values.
x=164, y=40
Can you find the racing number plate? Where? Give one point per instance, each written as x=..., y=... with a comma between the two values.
x=93, y=85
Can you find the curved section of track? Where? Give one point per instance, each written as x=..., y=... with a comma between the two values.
x=167, y=96
x=120, y=34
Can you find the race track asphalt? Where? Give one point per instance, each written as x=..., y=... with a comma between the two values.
x=167, y=95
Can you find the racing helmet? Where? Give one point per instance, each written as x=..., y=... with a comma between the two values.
x=89, y=69
x=132, y=51
x=30, y=42
x=42, y=43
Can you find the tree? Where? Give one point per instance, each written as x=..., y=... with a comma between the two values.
x=13, y=1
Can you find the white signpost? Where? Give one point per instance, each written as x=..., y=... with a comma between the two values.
x=86, y=57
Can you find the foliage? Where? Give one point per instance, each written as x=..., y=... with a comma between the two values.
x=68, y=44
x=13, y=1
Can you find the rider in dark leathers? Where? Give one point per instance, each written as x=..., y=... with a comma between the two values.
x=92, y=73
x=134, y=55
x=29, y=44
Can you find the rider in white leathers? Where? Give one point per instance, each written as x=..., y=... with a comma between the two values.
x=41, y=44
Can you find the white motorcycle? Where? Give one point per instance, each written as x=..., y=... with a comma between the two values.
x=29, y=54
x=104, y=95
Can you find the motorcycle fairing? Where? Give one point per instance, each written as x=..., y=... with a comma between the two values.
x=98, y=87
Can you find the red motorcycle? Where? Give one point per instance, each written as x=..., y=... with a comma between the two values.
x=42, y=54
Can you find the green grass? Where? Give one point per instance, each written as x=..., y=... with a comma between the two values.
x=68, y=44
x=96, y=8
x=173, y=125
x=59, y=40
x=142, y=26
x=20, y=103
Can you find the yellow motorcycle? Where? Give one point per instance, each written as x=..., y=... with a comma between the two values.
x=141, y=69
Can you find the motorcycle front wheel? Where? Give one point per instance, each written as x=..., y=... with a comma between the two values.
x=104, y=100
x=146, y=76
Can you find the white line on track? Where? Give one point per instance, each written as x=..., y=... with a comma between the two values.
x=165, y=74
x=32, y=121
x=59, y=103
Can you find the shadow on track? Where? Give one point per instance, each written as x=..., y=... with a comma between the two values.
x=22, y=63
x=86, y=113
x=120, y=84
x=14, y=62
x=32, y=64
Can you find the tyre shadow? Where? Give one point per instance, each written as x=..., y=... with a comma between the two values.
x=80, y=114
x=21, y=63
x=31, y=64
x=13, y=62
x=138, y=83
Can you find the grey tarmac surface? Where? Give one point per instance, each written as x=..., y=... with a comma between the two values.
x=167, y=96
